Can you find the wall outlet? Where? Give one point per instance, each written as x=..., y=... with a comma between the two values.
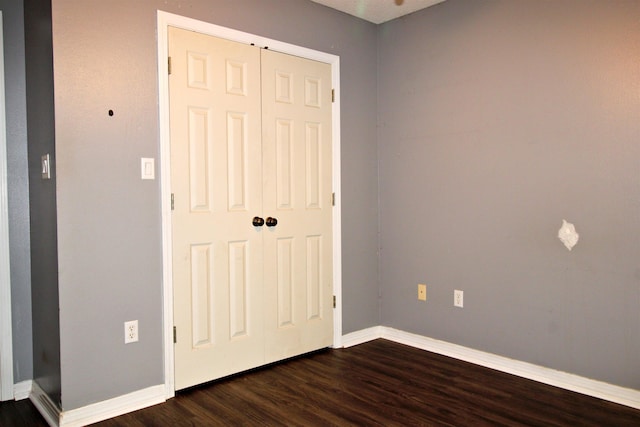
x=130, y=331
x=422, y=292
x=458, y=298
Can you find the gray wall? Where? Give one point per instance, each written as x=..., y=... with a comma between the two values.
x=500, y=119
x=18, y=185
x=109, y=227
x=42, y=197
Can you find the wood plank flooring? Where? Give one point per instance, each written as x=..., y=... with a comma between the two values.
x=378, y=383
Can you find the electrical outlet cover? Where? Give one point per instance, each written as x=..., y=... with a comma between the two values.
x=458, y=298
x=130, y=331
x=422, y=292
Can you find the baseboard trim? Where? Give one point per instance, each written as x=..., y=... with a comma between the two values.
x=601, y=390
x=113, y=407
x=22, y=390
x=362, y=336
x=43, y=403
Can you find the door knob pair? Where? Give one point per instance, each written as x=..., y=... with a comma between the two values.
x=259, y=222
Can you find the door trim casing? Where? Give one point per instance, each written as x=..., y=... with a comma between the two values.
x=6, y=340
x=164, y=20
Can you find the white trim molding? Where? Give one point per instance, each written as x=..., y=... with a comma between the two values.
x=613, y=393
x=6, y=339
x=95, y=412
x=43, y=403
x=164, y=20
x=113, y=407
x=362, y=336
x=22, y=390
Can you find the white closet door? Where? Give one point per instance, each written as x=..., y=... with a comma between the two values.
x=296, y=123
x=216, y=179
x=248, y=143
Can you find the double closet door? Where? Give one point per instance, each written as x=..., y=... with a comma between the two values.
x=251, y=219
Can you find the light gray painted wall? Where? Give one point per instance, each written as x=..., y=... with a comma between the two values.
x=42, y=197
x=18, y=183
x=109, y=220
x=497, y=120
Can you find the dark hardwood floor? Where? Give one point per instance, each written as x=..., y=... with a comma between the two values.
x=377, y=383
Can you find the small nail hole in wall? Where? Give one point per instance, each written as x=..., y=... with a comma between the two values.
x=110, y=113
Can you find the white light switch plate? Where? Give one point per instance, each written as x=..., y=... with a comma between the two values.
x=46, y=166
x=147, y=168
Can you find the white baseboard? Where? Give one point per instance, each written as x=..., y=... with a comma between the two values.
x=113, y=407
x=22, y=390
x=624, y=396
x=43, y=403
x=362, y=336
x=95, y=412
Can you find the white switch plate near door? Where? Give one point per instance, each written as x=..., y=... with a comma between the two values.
x=46, y=166
x=147, y=168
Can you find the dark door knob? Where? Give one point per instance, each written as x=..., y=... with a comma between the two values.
x=258, y=222
x=272, y=222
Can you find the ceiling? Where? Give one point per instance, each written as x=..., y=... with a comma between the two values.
x=378, y=11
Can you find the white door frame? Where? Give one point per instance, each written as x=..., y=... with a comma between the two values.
x=6, y=344
x=165, y=20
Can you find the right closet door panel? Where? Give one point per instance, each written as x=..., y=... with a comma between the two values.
x=296, y=141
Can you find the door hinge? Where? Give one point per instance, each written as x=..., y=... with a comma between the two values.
x=334, y=303
x=333, y=199
x=172, y=202
x=169, y=65
x=333, y=95
x=175, y=340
